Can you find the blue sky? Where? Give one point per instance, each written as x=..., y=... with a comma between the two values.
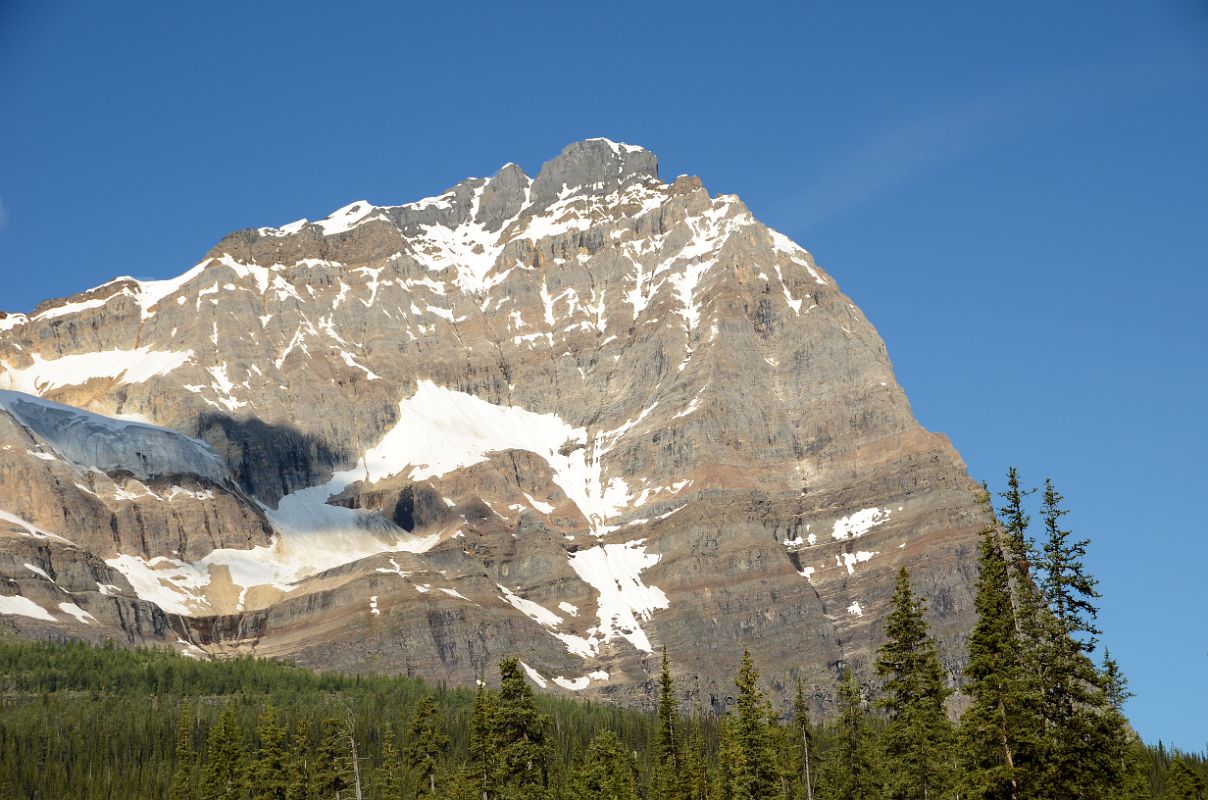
x=1016, y=194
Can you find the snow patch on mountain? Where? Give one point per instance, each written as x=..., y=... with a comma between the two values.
x=124, y=366
x=859, y=523
x=24, y=607
x=615, y=572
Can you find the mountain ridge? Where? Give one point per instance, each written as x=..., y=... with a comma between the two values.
x=589, y=389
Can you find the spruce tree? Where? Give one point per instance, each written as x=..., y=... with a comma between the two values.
x=301, y=764
x=917, y=738
x=668, y=775
x=1183, y=783
x=184, y=778
x=998, y=734
x=753, y=735
x=607, y=771
x=1082, y=732
x=426, y=743
x=520, y=750
x=388, y=781
x=802, y=729
x=482, y=750
x=268, y=773
x=330, y=774
x=849, y=767
x=222, y=778
x=695, y=766
x=731, y=779
x=1123, y=747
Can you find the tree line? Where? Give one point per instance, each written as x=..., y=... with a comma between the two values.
x=1040, y=717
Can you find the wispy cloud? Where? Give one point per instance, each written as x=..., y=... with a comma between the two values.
x=903, y=152
x=3, y=215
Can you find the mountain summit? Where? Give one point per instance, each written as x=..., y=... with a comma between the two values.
x=575, y=418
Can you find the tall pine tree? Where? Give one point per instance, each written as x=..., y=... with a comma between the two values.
x=222, y=778
x=999, y=728
x=184, y=779
x=519, y=766
x=917, y=739
x=668, y=775
x=268, y=773
x=849, y=767
x=607, y=771
x=426, y=743
x=803, y=731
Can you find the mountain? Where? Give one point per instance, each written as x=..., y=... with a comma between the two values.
x=576, y=418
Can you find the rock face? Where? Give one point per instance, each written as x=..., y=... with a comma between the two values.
x=576, y=418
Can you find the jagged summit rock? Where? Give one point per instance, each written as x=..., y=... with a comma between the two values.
x=594, y=166
x=575, y=417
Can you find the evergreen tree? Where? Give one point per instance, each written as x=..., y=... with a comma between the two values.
x=481, y=743
x=668, y=776
x=999, y=727
x=731, y=780
x=1124, y=748
x=1183, y=783
x=1020, y=549
x=520, y=751
x=269, y=771
x=301, y=771
x=426, y=743
x=918, y=736
x=801, y=728
x=330, y=773
x=849, y=766
x=184, y=778
x=222, y=776
x=695, y=766
x=1083, y=733
x=754, y=718
x=389, y=783
x=607, y=771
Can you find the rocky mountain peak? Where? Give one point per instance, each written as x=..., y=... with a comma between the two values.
x=593, y=166
x=579, y=417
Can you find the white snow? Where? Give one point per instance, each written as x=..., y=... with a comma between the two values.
x=544, y=508
x=569, y=608
x=28, y=529
x=80, y=614
x=618, y=147
x=35, y=569
x=573, y=684
x=859, y=523
x=373, y=606
x=534, y=675
x=127, y=366
x=614, y=571
x=855, y=610
x=23, y=606
x=807, y=572
x=453, y=593
x=347, y=218
x=797, y=254
x=534, y=611
x=440, y=430
x=851, y=559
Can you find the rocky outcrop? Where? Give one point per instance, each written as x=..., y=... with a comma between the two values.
x=576, y=418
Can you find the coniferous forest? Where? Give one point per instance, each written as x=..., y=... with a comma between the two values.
x=1038, y=714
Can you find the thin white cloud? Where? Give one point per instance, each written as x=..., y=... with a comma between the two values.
x=894, y=157
x=3, y=214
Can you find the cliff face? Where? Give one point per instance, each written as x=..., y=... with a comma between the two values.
x=574, y=418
